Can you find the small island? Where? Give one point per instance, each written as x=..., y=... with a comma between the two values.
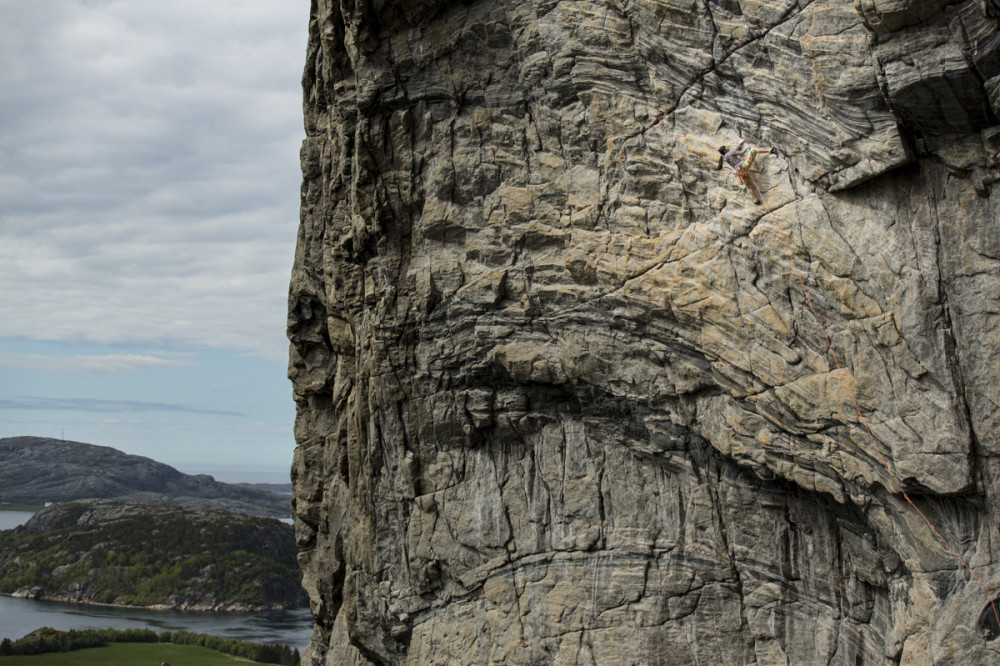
x=125, y=554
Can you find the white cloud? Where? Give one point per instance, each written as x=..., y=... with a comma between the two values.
x=149, y=171
x=30, y=403
x=99, y=363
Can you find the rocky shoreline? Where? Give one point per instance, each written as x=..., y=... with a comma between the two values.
x=39, y=594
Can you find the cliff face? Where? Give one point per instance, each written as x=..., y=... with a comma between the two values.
x=562, y=396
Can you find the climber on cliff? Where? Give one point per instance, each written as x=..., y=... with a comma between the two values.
x=741, y=159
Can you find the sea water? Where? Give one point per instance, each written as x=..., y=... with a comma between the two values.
x=11, y=519
x=19, y=617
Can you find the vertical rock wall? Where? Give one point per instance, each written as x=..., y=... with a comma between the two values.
x=561, y=395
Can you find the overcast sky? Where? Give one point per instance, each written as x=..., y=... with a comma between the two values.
x=149, y=186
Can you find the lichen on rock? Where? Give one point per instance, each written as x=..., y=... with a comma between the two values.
x=567, y=395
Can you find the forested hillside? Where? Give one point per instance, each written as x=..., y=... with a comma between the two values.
x=130, y=554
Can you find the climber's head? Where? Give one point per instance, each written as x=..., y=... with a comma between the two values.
x=723, y=150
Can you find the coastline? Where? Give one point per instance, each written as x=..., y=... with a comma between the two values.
x=41, y=595
x=22, y=616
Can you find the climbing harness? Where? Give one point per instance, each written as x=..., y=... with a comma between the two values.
x=743, y=172
x=861, y=419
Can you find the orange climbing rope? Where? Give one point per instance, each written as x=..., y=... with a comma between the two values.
x=861, y=418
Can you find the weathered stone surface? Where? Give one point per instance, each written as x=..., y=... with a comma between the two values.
x=562, y=397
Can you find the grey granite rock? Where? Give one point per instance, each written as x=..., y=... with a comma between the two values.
x=562, y=396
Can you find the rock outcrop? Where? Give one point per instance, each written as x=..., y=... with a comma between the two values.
x=562, y=396
x=38, y=470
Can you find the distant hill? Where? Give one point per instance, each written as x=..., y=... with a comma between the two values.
x=276, y=488
x=36, y=470
x=141, y=555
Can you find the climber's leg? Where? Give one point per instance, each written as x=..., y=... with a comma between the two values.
x=741, y=173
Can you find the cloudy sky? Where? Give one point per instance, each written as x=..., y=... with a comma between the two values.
x=149, y=187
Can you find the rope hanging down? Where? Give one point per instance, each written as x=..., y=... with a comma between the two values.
x=861, y=418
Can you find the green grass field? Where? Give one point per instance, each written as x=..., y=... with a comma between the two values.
x=130, y=654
